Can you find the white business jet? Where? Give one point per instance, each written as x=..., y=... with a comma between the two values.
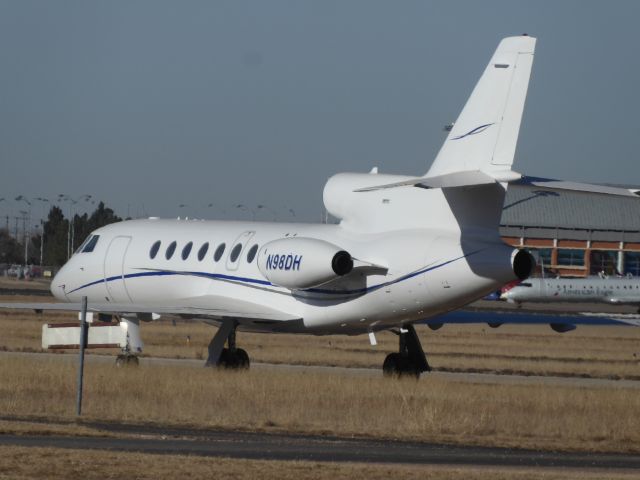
x=406, y=249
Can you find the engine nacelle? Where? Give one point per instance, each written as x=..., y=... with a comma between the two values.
x=298, y=262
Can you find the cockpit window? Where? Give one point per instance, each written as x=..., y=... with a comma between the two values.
x=526, y=284
x=82, y=245
x=90, y=244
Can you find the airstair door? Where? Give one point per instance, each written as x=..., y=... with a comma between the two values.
x=114, y=270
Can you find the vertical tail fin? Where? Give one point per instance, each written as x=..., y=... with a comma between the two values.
x=485, y=135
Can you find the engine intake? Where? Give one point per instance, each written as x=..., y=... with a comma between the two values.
x=523, y=264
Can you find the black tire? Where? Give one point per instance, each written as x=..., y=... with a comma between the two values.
x=243, y=359
x=391, y=365
x=395, y=365
x=226, y=360
x=132, y=361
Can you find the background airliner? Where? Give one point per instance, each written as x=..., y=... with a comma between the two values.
x=611, y=290
x=406, y=248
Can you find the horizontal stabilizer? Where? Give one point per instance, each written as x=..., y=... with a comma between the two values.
x=449, y=180
x=553, y=184
x=471, y=178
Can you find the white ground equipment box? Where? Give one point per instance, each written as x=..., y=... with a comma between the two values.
x=122, y=335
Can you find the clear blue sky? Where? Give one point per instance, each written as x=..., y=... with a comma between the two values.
x=151, y=104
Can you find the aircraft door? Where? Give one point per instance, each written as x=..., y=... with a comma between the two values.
x=114, y=270
x=237, y=249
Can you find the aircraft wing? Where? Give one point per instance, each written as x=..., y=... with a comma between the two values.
x=196, y=309
x=625, y=300
x=561, y=322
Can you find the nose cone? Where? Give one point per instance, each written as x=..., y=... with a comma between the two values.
x=509, y=296
x=58, y=285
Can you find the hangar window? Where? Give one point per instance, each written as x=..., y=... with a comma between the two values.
x=544, y=257
x=91, y=244
x=603, y=261
x=571, y=257
x=219, y=252
x=235, y=253
x=154, y=249
x=252, y=253
x=203, y=250
x=632, y=263
x=170, y=249
x=187, y=250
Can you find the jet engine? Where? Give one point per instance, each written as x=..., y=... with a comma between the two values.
x=299, y=262
x=522, y=263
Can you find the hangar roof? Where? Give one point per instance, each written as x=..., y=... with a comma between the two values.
x=529, y=206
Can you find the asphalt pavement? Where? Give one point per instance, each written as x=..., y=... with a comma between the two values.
x=268, y=446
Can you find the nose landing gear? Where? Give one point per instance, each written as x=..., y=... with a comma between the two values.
x=410, y=360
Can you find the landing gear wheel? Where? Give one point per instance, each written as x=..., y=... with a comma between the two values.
x=243, y=359
x=127, y=361
x=396, y=365
x=391, y=365
x=238, y=359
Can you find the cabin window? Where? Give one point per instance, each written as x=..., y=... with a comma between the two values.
x=219, y=252
x=154, y=249
x=187, y=250
x=252, y=253
x=170, y=249
x=235, y=253
x=91, y=244
x=203, y=250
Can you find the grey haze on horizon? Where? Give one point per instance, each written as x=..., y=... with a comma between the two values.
x=152, y=104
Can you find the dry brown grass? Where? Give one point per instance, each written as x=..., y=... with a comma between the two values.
x=432, y=409
x=22, y=463
x=610, y=352
x=32, y=284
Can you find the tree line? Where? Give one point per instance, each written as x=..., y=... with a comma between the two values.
x=59, y=236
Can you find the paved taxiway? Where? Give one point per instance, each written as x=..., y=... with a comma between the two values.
x=165, y=440
x=468, y=377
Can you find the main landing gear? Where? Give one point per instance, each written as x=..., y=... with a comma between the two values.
x=410, y=359
x=230, y=357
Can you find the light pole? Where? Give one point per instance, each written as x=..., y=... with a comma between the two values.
x=71, y=229
x=22, y=198
x=43, y=201
x=24, y=234
x=3, y=200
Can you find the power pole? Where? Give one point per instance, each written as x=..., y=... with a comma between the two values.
x=41, y=242
x=26, y=240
